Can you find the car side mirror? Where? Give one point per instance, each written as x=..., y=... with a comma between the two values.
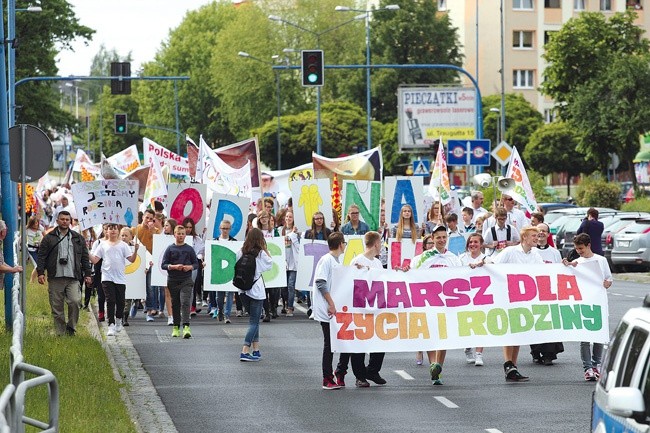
x=626, y=402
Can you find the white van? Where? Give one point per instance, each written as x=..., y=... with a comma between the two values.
x=621, y=401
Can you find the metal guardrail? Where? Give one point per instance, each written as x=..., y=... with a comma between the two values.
x=12, y=399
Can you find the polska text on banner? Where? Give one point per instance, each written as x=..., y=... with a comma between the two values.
x=221, y=177
x=522, y=192
x=106, y=201
x=439, y=184
x=494, y=305
x=178, y=165
x=367, y=165
x=126, y=160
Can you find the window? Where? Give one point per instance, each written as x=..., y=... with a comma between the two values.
x=631, y=355
x=523, y=79
x=522, y=4
x=552, y=4
x=522, y=39
x=612, y=351
x=634, y=4
x=442, y=5
x=579, y=5
x=605, y=5
x=549, y=115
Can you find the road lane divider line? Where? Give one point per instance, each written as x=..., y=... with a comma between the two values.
x=493, y=430
x=404, y=375
x=445, y=401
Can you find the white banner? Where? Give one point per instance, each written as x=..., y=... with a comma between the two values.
x=231, y=208
x=160, y=244
x=136, y=287
x=222, y=178
x=523, y=191
x=126, y=160
x=178, y=165
x=454, y=308
x=106, y=201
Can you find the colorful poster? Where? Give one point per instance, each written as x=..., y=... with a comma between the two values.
x=106, y=201
x=439, y=185
x=311, y=253
x=523, y=191
x=178, y=165
x=126, y=160
x=136, y=285
x=310, y=196
x=220, y=176
x=401, y=190
x=401, y=252
x=231, y=208
x=455, y=308
x=188, y=200
x=160, y=244
x=366, y=195
x=366, y=165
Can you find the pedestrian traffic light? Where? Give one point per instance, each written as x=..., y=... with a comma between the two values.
x=120, y=123
x=313, y=68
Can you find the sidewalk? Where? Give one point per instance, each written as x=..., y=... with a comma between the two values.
x=636, y=277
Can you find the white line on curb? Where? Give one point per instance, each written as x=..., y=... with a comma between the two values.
x=446, y=402
x=404, y=375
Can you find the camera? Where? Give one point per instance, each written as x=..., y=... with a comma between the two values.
x=63, y=261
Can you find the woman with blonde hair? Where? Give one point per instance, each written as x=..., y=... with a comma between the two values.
x=406, y=227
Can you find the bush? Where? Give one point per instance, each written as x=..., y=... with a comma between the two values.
x=638, y=205
x=597, y=192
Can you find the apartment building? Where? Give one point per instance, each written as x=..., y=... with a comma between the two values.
x=528, y=24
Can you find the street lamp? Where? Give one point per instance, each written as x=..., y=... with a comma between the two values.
x=317, y=35
x=277, y=90
x=366, y=15
x=11, y=57
x=88, y=102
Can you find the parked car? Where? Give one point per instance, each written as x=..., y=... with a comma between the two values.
x=555, y=219
x=620, y=400
x=547, y=207
x=565, y=227
x=617, y=223
x=631, y=245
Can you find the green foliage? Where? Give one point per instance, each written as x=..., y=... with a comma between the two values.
x=394, y=160
x=596, y=191
x=102, y=125
x=638, y=205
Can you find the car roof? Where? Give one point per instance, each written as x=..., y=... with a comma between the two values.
x=583, y=210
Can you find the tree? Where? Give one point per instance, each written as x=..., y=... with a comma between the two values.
x=553, y=148
x=101, y=66
x=40, y=36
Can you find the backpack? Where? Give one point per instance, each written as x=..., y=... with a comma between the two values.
x=244, y=277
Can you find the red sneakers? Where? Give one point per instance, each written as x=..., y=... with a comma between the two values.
x=340, y=379
x=328, y=383
x=100, y=316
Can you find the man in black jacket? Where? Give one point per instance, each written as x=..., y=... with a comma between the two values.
x=63, y=254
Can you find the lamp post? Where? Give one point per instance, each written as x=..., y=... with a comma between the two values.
x=317, y=35
x=367, y=13
x=11, y=58
x=88, y=102
x=277, y=94
x=496, y=110
x=76, y=96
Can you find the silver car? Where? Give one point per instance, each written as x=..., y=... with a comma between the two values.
x=632, y=245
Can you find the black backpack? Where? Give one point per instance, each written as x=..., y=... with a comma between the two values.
x=244, y=277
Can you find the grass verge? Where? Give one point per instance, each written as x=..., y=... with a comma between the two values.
x=89, y=395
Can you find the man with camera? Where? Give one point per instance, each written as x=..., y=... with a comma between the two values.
x=63, y=254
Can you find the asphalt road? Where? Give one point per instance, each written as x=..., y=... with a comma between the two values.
x=205, y=388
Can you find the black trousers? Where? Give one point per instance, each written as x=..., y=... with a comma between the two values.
x=114, y=300
x=358, y=367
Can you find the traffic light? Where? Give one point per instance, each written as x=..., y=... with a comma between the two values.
x=120, y=87
x=120, y=123
x=313, y=68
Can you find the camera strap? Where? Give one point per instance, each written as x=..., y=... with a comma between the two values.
x=57, y=243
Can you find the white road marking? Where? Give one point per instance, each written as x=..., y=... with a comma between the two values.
x=493, y=430
x=404, y=375
x=446, y=402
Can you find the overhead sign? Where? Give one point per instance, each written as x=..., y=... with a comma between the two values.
x=502, y=153
x=468, y=152
x=421, y=167
x=425, y=114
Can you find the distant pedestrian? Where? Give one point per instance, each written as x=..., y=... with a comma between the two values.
x=594, y=228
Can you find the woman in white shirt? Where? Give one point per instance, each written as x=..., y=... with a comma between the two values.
x=473, y=257
x=291, y=243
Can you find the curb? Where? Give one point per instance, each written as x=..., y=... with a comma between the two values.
x=143, y=403
x=641, y=277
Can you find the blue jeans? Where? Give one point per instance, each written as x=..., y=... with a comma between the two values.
x=291, y=287
x=254, y=308
x=151, y=300
x=229, y=296
x=591, y=359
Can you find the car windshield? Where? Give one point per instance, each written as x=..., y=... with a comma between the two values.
x=551, y=217
x=637, y=227
x=572, y=224
x=618, y=225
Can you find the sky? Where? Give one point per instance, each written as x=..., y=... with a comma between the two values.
x=139, y=26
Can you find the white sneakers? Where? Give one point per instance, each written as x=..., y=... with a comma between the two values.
x=469, y=356
x=118, y=325
x=111, y=330
x=478, y=359
x=170, y=321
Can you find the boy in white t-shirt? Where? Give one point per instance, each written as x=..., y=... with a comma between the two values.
x=323, y=304
x=114, y=251
x=369, y=260
x=590, y=361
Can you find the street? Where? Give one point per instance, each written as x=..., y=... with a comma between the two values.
x=205, y=387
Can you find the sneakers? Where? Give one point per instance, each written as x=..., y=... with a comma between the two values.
x=328, y=383
x=100, y=316
x=134, y=310
x=226, y=320
x=590, y=375
x=176, y=332
x=437, y=382
x=193, y=312
x=248, y=357
x=126, y=322
x=597, y=372
x=204, y=304
x=118, y=325
x=435, y=369
x=186, y=332
x=220, y=316
x=111, y=330
x=469, y=356
x=150, y=318
x=375, y=377
x=289, y=312
x=170, y=321
x=239, y=313
x=478, y=359
x=215, y=314
x=512, y=374
x=340, y=379
x=362, y=384
x=257, y=354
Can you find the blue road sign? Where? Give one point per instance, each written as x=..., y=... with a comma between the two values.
x=421, y=167
x=468, y=152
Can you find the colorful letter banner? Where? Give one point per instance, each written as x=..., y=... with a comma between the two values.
x=310, y=196
x=106, y=201
x=231, y=208
x=187, y=200
x=311, y=253
x=366, y=195
x=401, y=252
x=401, y=190
x=178, y=165
x=220, y=259
x=160, y=244
x=136, y=287
x=453, y=308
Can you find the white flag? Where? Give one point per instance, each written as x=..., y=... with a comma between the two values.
x=522, y=193
x=222, y=178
